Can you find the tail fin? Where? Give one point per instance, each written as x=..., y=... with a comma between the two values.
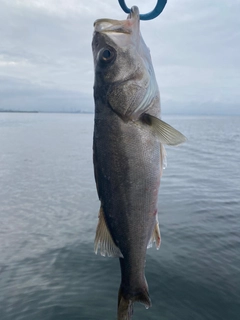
x=125, y=305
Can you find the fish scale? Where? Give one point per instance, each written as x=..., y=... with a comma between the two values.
x=127, y=152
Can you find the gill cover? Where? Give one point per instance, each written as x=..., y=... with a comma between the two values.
x=123, y=64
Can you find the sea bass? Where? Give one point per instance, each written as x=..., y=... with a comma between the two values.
x=127, y=152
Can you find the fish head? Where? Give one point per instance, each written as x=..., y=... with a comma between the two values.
x=123, y=68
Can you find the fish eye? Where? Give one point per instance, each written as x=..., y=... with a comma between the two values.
x=106, y=55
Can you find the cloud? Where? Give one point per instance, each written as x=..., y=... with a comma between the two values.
x=18, y=94
x=46, y=51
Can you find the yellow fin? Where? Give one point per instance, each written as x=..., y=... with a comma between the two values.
x=165, y=133
x=156, y=237
x=103, y=240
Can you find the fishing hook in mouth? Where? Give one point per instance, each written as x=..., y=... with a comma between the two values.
x=146, y=16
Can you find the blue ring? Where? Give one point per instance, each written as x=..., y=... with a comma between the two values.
x=147, y=16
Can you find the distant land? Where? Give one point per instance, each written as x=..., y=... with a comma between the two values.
x=19, y=111
x=204, y=110
x=26, y=111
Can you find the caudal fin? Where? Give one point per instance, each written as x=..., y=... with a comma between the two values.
x=125, y=305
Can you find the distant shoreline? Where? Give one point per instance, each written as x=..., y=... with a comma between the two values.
x=19, y=111
x=163, y=114
x=13, y=111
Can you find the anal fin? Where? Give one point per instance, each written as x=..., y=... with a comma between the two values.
x=103, y=240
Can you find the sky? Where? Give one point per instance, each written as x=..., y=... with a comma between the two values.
x=46, y=60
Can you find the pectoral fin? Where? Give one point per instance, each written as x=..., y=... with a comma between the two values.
x=103, y=240
x=156, y=237
x=165, y=133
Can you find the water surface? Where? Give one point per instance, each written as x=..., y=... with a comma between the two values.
x=48, y=214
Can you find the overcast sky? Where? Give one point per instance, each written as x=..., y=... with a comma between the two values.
x=46, y=59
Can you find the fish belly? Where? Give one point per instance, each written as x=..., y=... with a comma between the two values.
x=127, y=172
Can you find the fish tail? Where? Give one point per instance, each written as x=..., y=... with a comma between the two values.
x=125, y=302
x=125, y=308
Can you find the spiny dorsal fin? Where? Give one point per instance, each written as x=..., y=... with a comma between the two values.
x=165, y=133
x=156, y=237
x=103, y=240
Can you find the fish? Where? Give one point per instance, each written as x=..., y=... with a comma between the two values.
x=128, y=152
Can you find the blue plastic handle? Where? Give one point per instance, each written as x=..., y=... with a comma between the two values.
x=147, y=16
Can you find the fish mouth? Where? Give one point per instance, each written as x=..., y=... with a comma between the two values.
x=134, y=13
x=118, y=26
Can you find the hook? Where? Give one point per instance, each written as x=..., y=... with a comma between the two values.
x=147, y=16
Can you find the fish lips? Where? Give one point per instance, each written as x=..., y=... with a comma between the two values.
x=119, y=26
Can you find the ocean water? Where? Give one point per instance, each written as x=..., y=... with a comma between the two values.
x=48, y=216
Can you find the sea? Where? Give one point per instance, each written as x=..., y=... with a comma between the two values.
x=49, y=212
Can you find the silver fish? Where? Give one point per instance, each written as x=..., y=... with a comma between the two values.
x=128, y=152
